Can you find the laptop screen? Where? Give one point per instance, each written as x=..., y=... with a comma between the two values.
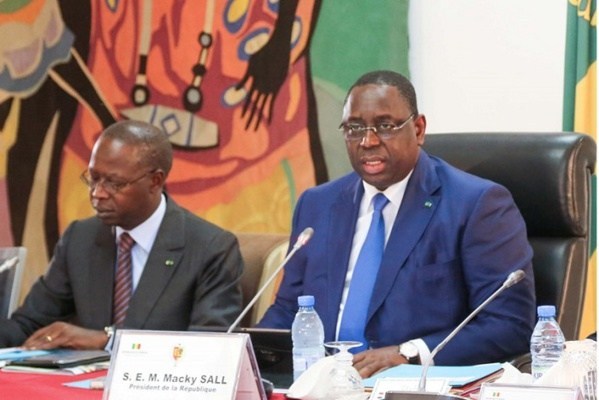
x=11, y=267
x=273, y=350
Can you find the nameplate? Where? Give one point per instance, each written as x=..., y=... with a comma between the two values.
x=153, y=365
x=498, y=391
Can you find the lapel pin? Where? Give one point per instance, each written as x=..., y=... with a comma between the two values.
x=169, y=263
x=428, y=204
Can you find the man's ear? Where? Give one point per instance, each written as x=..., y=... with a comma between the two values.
x=420, y=124
x=158, y=179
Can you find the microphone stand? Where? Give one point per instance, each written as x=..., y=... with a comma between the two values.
x=422, y=394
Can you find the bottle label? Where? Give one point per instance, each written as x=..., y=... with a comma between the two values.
x=304, y=361
x=299, y=366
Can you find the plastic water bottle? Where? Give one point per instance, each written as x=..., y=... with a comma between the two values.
x=547, y=342
x=307, y=335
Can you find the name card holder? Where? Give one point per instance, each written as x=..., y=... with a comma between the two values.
x=156, y=365
x=500, y=391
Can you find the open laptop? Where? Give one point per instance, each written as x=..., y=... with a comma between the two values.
x=12, y=260
x=56, y=358
x=273, y=350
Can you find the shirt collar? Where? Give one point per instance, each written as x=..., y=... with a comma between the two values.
x=394, y=192
x=145, y=233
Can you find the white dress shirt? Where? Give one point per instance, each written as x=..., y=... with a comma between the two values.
x=144, y=235
x=395, y=194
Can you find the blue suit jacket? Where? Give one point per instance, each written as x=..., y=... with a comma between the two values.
x=455, y=239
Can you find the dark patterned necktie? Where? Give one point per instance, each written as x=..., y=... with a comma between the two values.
x=123, y=283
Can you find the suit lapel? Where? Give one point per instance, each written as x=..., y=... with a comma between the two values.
x=163, y=260
x=101, y=273
x=417, y=208
x=339, y=243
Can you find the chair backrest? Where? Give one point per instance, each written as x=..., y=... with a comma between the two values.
x=549, y=176
x=12, y=261
x=262, y=253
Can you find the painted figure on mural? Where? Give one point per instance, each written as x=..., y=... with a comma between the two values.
x=40, y=71
x=229, y=81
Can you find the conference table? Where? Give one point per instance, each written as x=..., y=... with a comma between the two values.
x=30, y=386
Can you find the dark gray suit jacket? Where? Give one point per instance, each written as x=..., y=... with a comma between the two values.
x=191, y=279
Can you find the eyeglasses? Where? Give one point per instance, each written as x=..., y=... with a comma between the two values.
x=384, y=130
x=111, y=187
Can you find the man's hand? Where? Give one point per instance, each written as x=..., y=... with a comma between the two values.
x=61, y=334
x=370, y=362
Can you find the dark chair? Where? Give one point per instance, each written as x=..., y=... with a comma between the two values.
x=549, y=176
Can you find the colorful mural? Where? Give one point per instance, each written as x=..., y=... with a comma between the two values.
x=231, y=81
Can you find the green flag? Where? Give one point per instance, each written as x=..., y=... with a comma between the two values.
x=580, y=115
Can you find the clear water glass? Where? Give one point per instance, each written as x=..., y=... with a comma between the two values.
x=345, y=381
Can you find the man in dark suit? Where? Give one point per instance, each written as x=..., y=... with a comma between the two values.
x=450, y=240
x=183, y=272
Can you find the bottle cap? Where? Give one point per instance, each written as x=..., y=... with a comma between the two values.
x=546, y=311
x=305, y=301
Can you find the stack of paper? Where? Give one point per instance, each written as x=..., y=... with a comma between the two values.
x=440, y=379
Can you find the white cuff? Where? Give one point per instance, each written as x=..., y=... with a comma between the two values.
x=423, y=350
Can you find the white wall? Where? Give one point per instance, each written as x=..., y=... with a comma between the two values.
x=488, y=65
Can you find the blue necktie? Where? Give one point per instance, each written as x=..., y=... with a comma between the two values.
x=353, y=321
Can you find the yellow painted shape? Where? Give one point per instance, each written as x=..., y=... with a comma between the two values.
x=585, y=106
x=588, y=324
x=263, y=207
x=33, y=234
x=8, y=135
x=295, y=94
x=237, y=10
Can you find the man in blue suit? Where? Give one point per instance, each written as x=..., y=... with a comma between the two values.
x=451, y=239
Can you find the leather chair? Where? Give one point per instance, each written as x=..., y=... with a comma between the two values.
x=549, y=176
x=262, y=253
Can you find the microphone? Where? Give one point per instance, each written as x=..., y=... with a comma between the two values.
x=511, y=280
x=302, y=239
x=8, y=264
